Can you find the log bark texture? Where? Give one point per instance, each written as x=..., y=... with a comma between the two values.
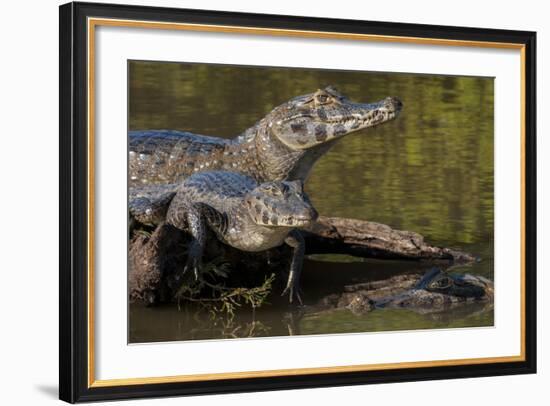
x=374, y=240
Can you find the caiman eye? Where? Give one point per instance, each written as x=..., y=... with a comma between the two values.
x=442, y=283
x=322, y=98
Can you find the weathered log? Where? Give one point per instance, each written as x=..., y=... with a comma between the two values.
x=150, y=258
x=156, y=260
x=374, y=240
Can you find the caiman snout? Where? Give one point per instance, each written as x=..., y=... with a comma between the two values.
x=303, y=218
x=393, y=103
x=308, y=215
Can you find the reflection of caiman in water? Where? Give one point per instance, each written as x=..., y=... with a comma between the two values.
x=405, y=299
x=435, y=291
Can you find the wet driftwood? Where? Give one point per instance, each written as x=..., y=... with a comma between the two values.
x=156, y=260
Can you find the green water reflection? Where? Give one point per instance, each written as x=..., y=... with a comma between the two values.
x=430, y=171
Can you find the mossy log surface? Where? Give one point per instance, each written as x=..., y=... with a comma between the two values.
x=157, y=259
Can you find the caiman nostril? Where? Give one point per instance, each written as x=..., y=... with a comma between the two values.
x=313, y=215
x=310, y=215
x=398, y=104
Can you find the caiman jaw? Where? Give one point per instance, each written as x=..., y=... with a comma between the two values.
x=365, y=115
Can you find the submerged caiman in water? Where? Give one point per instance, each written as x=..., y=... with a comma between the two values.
x=284, y=145
x=435, y=290
x=242, y=213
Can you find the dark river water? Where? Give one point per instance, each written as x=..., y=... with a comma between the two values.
x=429, y=171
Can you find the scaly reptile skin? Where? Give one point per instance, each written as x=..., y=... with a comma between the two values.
x=284, y=145
x=244, y=215
x=434, y=290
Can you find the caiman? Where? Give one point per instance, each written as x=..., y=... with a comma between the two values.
x=436, y=289
x=242, y=213
x=284, y=145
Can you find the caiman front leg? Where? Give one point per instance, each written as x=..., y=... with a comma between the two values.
x=296, y=241
x=188, y=217
x=196, y=218
x=197, y=228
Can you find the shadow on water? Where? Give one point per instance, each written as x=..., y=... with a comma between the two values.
x=430, y=171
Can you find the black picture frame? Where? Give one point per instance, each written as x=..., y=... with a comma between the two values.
x=74, y=385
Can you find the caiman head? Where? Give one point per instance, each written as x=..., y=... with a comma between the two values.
x=313, y=119
x=466, y=285
x=280, y=204
x=438, y=289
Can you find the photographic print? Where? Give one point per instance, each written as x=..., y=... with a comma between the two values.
x=275, y=201
x=357, y=195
